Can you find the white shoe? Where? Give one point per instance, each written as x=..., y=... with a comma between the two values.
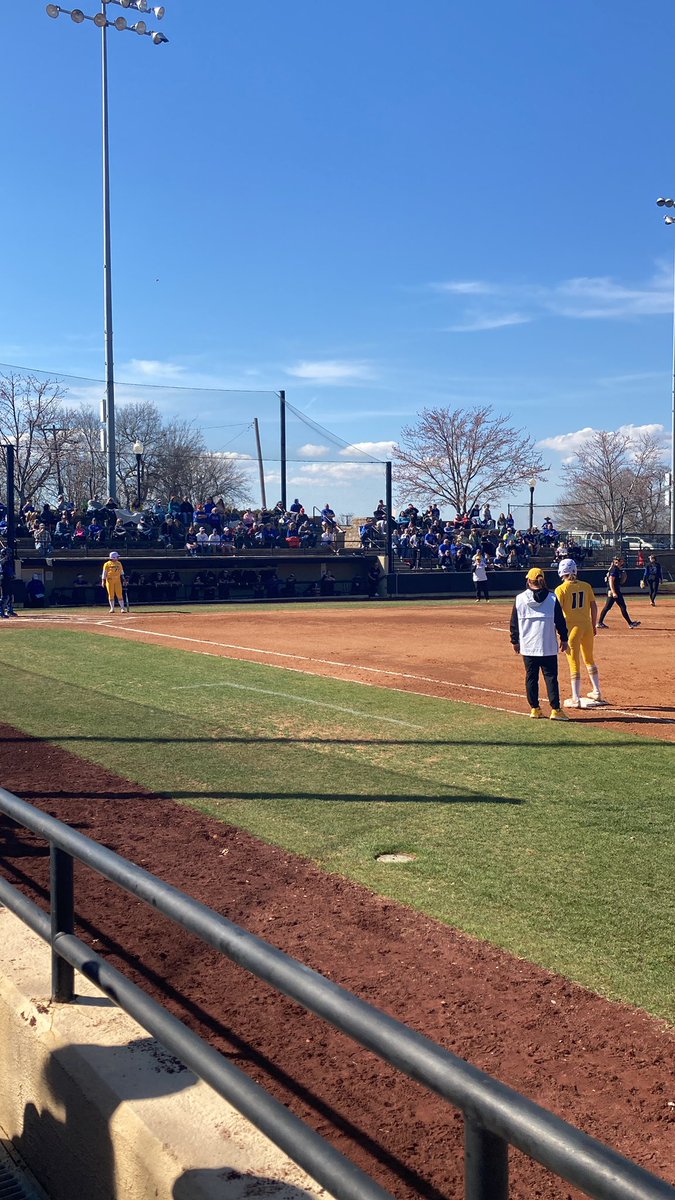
x=572, y=703
x=112, y=610
x=596, y=698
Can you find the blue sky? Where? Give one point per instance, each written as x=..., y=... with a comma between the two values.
x=377, y=206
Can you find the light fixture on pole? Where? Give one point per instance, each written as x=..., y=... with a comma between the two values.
x=138, y=451
x=100, y=20
x=666, y=202
x=533, y=484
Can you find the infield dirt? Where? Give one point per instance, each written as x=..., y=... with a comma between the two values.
x=459, y=652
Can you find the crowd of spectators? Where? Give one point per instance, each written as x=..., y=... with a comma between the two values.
x=425, y=540
x=210, y=527
x=203, y=527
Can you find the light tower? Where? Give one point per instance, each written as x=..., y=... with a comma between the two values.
x=100, y=20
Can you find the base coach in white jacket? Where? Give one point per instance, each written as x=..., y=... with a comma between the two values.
x=537, y=624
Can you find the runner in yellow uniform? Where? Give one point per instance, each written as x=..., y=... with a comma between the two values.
x=577, y=601
x=112, y=579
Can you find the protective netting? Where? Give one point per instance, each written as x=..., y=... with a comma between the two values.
x=321, y=467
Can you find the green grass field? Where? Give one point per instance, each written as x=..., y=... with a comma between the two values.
x=552, y=841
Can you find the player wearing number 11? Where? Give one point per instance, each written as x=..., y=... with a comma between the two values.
x=577, y=601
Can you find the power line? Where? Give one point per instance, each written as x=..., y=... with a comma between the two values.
x=162, y=387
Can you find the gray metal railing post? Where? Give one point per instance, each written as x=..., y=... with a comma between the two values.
x=62, y=920
x=486, y=1164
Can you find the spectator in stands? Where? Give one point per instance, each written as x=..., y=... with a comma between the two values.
x=186, y=512
x=381, y=511
x=328, y=535
x=191, y=543
x=173, y=508
x=462, y=558
x=119, y=532
x=79, y=534
x=327, y=514
x=445, y=555
x=145, y=531
x=94, y=530
x=501, y=555
x=368, y=533
x=296, y=507
x=63, y=531
x=214, y=542
x=202, y=540
x=35, y=595
x=42, y=538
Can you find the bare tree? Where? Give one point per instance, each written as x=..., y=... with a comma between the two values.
x=219, y=474
x=31, y=416
x=82, y=461
x=138, y=422
x=615, y=481
x=464, y=457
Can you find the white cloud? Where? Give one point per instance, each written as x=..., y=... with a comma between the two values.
x=467, y=287
x=479, y=324
x=153, y=368
x=310, y=451
x=601, y=297
x=328, y=371
x=580, y=298
x=382, y=450
x=569, y=444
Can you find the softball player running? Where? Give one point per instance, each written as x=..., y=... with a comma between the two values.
x=577, y=601
x=113, y=574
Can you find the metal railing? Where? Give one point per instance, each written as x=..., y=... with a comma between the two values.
x=495, y=1115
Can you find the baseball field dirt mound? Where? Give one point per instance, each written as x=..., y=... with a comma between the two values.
x=605, y=1067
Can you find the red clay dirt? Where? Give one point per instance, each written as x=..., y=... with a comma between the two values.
x=605, y=1067
x=459, y=652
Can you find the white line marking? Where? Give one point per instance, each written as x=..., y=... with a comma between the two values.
x=243, y=687
x=325, y=662
x=334, y=663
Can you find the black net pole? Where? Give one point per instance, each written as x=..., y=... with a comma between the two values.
x=282, y=429
x=387, y=503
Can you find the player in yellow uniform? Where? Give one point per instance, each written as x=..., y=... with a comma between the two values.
x=577, y=601
x=112, y=579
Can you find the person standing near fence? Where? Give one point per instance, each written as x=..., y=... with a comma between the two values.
x=112, y=579
x=480, y=578
x=616, y=578
x=652, y=578
x=536, y=619
x=7, y=574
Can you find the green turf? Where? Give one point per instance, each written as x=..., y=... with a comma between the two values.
x=553, y=841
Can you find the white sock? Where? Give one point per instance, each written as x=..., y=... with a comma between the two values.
x=576, y=687
x=594, y=676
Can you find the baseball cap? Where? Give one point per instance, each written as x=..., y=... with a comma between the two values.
x=567, y=567
x=114, y=554
x=533, y=574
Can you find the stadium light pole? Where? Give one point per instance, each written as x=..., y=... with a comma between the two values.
x=533, y=484
x=100, y=20
x=138, y=451
x=669, y=219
